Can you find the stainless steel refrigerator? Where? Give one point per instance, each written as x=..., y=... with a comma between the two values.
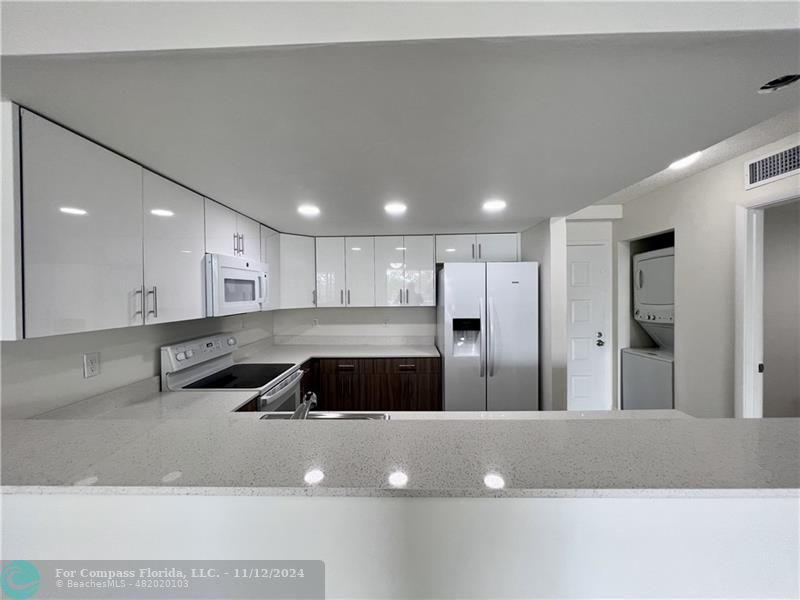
x=488, y=335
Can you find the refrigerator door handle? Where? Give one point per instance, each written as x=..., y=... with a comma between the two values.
x=490, y=341
x=482, y=341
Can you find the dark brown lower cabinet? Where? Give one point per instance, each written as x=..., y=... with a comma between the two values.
x=382, y=384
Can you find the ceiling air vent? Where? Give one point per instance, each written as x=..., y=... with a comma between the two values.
x=773, y=167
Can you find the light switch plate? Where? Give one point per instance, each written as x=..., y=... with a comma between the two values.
x=91, y=364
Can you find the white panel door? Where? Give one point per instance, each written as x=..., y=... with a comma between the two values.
x=271, y=259
x=360, y=267
x=298, y=272
x=456, y=248
x=389, y=271
x=82, y=233
x=497, y=247
x=330, y=271
x=420, y=275
x=589, y=327
x=512, y=346
x=174, y=251
x=221, y=229
x=249, y=238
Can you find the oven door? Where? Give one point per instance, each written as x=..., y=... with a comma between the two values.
x=234, y=285
x=283, y=397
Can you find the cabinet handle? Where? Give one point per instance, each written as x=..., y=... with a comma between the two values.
x=154, y=312
x=480, y=251
x=139, y=292
x=241, y=247
x=401, y=296
x=411, y=367
x=341, y=296
x=406, y=295
x=348, y=297
x=235, y=244
x=473, y=251
x=314, y=297
x=345, y=367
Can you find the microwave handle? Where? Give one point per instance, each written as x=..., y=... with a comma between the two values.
x=262, y=288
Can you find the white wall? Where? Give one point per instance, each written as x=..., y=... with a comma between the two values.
x=441, y=547
x=381, y=326
x=701, y=209
x=546, y=243
x=782, y=311
x=41, y=374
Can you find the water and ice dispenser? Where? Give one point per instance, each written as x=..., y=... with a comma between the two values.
x=466, y=337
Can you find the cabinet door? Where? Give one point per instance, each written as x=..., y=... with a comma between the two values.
x=330, y=271
x=456, y=248
x=221, y=230
x=389, y=271
x=271, y=259
x=82, y=233
x=497, y=247
x=360, y=267
x=420, y=274
x=249, y=238
x=174, y=251
x=297, y=271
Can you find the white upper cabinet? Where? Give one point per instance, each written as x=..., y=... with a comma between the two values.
x=231, y=233
x=455, y=248
x=330, y=271
x=270, y=258
x=483, y=247
x=389, y=271
x=249, y=237
x=297, y=271
x=174, y=252
x=360, y=268
x=497, y=247
x=404, y=271
x=420, y=270
x=221, y=231
x=82, y=233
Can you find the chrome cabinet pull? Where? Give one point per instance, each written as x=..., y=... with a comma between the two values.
x=341, y=296
x=235, y=244
x=154, y=292
x=406, y=295
x=480, y=251
x=348, y=297
x=401, y=296
x=473, y=251
x=139, y=292
x=241, y=246
x=314, y=297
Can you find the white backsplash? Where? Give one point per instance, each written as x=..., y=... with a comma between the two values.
x=404, y=326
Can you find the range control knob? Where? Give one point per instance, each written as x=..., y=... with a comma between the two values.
x=231, y=341
x=189, y=354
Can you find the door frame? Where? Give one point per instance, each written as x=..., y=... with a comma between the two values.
x=749, y=298
x=610, y=337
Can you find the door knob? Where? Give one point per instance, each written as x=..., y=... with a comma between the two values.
x=600, y=343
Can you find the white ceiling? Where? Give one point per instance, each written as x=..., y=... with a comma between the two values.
x=550, y=124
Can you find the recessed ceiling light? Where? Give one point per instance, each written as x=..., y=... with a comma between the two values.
x=493, y=205
x=356, y=249
x=449, y=249
x=162, y=212
x=494, y=481
x=313, y=476
x=778, y=83
x=400, y=248
x=395, y=208
x=685, y=161
x=68, y=210
x=398, y=479
x=308, y=210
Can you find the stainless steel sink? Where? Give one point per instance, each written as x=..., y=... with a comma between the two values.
x=333, y=416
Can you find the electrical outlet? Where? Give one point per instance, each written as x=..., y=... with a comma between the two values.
x=315, y=323
x=91, y=365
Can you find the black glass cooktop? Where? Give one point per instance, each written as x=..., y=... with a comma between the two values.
x=244, y=376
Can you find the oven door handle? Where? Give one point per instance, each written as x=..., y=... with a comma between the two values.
x=283, y=393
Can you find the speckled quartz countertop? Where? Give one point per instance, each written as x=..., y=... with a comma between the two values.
x=192, y=443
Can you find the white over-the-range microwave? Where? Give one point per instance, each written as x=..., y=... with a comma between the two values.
x=235, y=285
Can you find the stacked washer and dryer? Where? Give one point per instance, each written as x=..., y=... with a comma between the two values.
x=647, y=373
